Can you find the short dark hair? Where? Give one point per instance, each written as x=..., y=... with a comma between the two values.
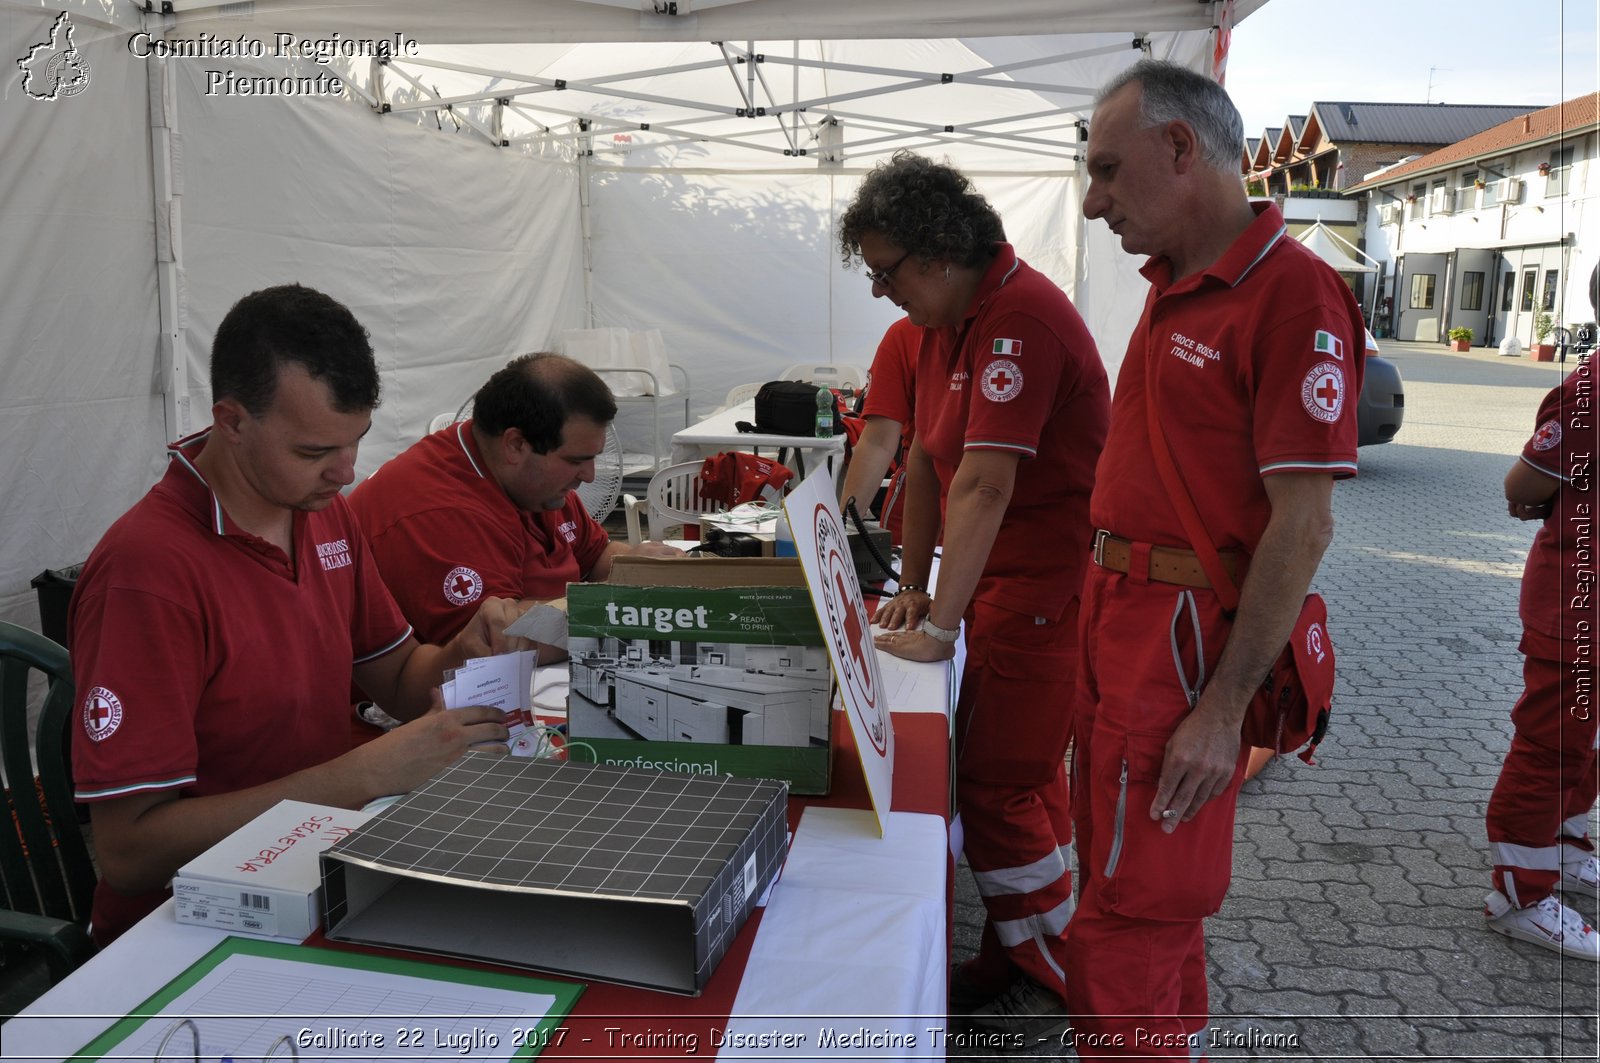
x=1176, y=93
x=927, y=208
x=536, y=394
x=292, y=324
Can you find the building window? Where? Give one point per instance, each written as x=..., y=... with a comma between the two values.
x=1418, y=198
x=1471, y=291
x=1467, y=192
x=1489, y=195
x=1548, y=302
x=1560, y=169
x=1508, y=292
x=1529, y=277
x=1438, y=186
x=1422, y=291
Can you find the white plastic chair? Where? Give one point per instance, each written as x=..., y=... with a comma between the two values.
x=741, y=393
x=827, y=374
x=443, y=420
x=674, y=497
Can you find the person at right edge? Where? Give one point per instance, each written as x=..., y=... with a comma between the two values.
x=1538, y=818
x=1010, y=414
x=1250, y=351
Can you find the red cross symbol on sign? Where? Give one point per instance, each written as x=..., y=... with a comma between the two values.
x=1328, y=392
x=852, y=627
x=1000, y=381
x=99, y=712
x=462, y=586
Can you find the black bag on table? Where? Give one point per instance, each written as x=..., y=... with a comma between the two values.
x=789, y=408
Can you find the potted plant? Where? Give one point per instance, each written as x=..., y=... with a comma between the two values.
x=1460, y=338
x=1542, y=351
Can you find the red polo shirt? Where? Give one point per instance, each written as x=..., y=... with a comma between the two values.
x=1020, y=374
x=891, y=393
x=1256, y=364
x=1559, y=595
x=205, y=661
x=445, y=535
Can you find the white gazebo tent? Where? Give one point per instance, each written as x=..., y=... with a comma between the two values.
x=1332, y=249
x=535, y=165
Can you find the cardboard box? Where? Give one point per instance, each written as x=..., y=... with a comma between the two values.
x=715, y=666
x=629, y=876
x=264, y=878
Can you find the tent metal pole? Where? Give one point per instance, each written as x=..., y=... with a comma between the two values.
x=166, y=182
x=585, y=172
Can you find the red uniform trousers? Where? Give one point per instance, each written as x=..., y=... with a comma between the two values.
x=1136, y=975
x=1548, y=783
x=1013, y=718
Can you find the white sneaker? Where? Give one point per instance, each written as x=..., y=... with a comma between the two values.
x=1549, y=923
x=1580, y=871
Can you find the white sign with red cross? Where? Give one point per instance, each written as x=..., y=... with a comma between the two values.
x=819, y=540
x=1322, y=392
x=1002, y=381
x=462, y=586
x=102, y=714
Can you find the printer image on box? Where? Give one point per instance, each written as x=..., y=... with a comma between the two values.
x=716, y=667
x=619, y=874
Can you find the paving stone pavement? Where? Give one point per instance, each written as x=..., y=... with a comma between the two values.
x=1353, y=928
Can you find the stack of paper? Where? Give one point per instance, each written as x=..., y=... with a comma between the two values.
x=502, y=682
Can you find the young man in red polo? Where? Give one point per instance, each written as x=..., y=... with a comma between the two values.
x=218, y=624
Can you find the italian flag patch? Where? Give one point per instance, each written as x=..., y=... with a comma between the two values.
x=1328, y=345
x=1007, y=346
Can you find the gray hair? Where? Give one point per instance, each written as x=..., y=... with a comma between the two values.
x=1176, y=93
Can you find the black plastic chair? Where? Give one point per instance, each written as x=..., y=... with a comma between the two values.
x=45, y=869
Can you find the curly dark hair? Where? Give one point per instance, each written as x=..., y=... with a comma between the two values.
x=927, y=208
x=537, y=393
x=292, y=324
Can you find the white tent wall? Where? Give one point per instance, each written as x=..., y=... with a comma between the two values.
x=742, y=272
x=81, y=425
x=454, y=255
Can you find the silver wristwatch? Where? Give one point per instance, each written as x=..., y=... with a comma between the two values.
x=940, y=634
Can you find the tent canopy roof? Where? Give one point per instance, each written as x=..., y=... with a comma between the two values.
x=1326, y=244
x=574, y=21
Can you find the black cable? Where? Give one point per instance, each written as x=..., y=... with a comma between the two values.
x=861, y=529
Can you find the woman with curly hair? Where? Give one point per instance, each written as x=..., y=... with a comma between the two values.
x=1011, y=413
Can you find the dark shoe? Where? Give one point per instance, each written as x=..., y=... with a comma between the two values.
x=1027, y=1017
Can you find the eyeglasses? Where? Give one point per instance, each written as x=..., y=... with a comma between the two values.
x=882, y=276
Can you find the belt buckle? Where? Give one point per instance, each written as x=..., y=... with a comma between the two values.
x=1100, y=537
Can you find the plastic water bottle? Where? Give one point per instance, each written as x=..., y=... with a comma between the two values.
x=783, y=538
x=824, y=413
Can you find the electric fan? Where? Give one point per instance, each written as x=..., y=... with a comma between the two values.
x=600, y=495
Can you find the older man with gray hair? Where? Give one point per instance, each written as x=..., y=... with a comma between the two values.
x=1242, y=371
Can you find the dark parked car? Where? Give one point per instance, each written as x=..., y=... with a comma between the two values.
x=1382, y=405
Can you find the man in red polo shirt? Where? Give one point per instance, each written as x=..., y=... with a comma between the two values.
x=1538, y=816
x=1248, y=357
x=490, y=506
x=218, y=624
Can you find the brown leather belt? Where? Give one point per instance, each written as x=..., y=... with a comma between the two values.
x=1162, y=564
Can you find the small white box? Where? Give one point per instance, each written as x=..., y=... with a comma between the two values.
x=264, y=879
